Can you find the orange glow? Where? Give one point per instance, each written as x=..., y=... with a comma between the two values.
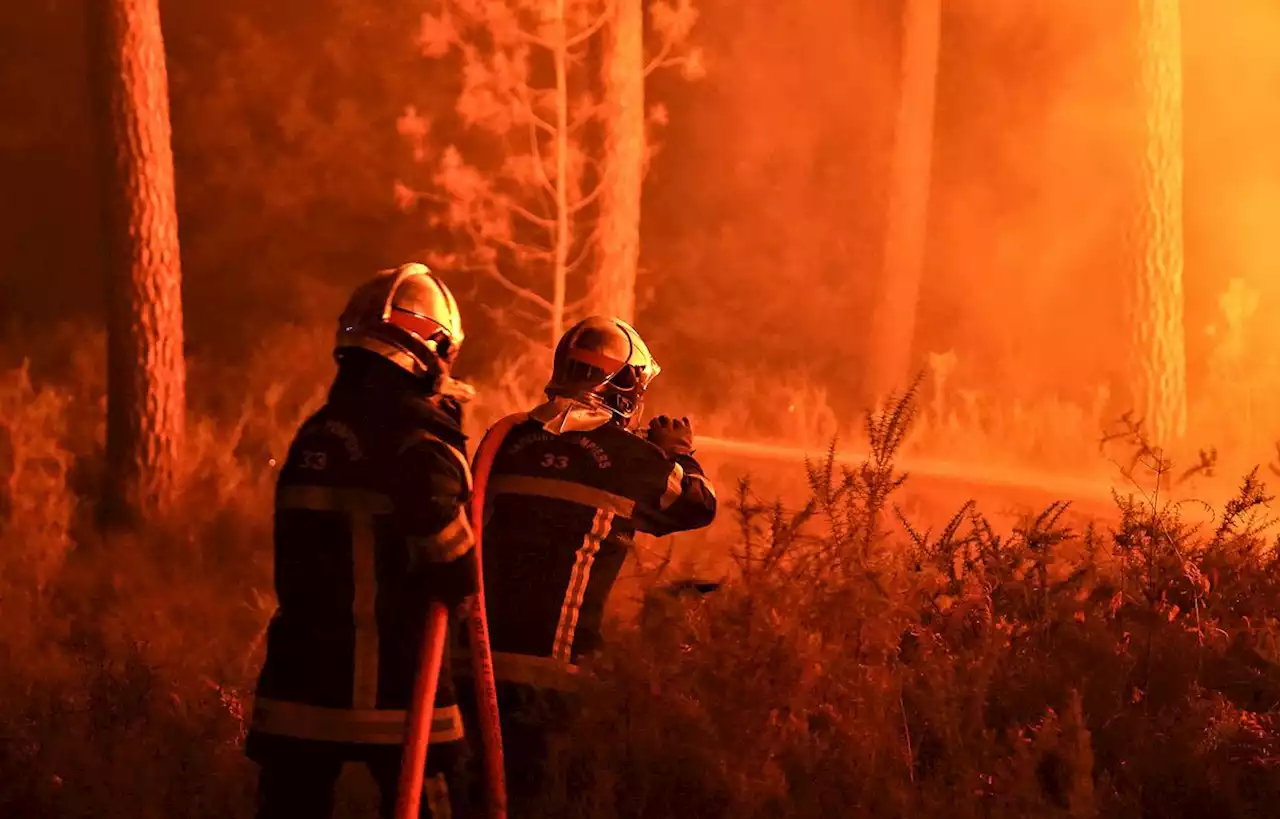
x=1052, y=219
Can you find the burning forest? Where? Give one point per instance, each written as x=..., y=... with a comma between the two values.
x=621, y=408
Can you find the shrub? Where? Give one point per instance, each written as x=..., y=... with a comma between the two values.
x=1040, y=672
x=854, y=662
x=126, y=657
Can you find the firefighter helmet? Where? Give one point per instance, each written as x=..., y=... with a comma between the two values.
x=604, y=362
x=407, y=316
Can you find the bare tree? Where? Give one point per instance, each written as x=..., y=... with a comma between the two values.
x=146, y=369
x=626, y=152
x=1159, y=346
x=535, y=204
x=894, y=313
x=518, y=203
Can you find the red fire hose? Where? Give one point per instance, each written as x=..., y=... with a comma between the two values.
x=413, y=762
x=481, y=657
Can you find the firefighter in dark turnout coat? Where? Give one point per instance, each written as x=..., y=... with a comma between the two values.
x=570, y=485
x=370, y=525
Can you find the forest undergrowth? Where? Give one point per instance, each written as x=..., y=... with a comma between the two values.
x=853, y=664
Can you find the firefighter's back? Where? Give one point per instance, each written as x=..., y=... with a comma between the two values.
x=562, y=512
x=561, y=522
x=350, y=611
x=568, y=485
x=370, y=525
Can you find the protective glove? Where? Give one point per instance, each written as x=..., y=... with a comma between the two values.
x=673, y=435
x=450, y=583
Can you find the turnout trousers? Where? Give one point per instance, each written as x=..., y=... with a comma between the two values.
x=297, y=778
x=532, y=719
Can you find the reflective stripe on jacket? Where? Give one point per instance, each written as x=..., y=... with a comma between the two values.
x=561, y=513
x=370, y=515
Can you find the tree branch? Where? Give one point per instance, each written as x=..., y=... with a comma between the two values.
x=586, y=201
x=500, y=318
x=586, y=118
x=660, y=60
x=517, y=249
x=584, y=249
x=535, y=147
x=528, y=215
x=533, y=318
x=537, y=122
x=510, y=148
x=512, y=287
x=590, y=31
x=531, y=191
x=533, y=39
x=492, y=242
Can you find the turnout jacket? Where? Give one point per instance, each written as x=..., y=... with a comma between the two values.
x=370, y=520
x=561, y=513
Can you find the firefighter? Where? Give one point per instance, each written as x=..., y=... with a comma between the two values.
x=570, y=484
x=370, y=526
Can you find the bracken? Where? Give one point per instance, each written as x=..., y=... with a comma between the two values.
x=855, y=660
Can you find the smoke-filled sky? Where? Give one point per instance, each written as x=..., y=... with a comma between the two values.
x=764, y=206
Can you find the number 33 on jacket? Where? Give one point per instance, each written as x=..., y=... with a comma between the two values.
x=552, y=461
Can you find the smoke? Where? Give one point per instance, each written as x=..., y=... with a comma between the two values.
x=1233, y=160
x=1034, y=153
x=764, y=208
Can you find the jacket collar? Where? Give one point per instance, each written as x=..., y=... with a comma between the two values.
x=561, y=414
x=394, y=395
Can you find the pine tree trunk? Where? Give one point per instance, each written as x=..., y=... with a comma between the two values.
x=146, y=371
x=624, y=151
x=563, y=235
x=893, y=316
x=1159, y=351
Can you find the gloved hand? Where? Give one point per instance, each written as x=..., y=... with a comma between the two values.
x=673, y=435
x=450, y=583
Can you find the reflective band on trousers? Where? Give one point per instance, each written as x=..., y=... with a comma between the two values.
x=374, y=726
x=526, y=669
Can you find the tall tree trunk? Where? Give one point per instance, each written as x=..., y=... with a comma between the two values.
x=1159, y=347
x=146, y=371
x=563, y=237
x=624, y=152
x=893, y=316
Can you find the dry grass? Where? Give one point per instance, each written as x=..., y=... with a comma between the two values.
x=962, y=424
x=852, y=664
x=1044, y=672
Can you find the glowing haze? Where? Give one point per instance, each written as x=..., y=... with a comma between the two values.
x=763, y=226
